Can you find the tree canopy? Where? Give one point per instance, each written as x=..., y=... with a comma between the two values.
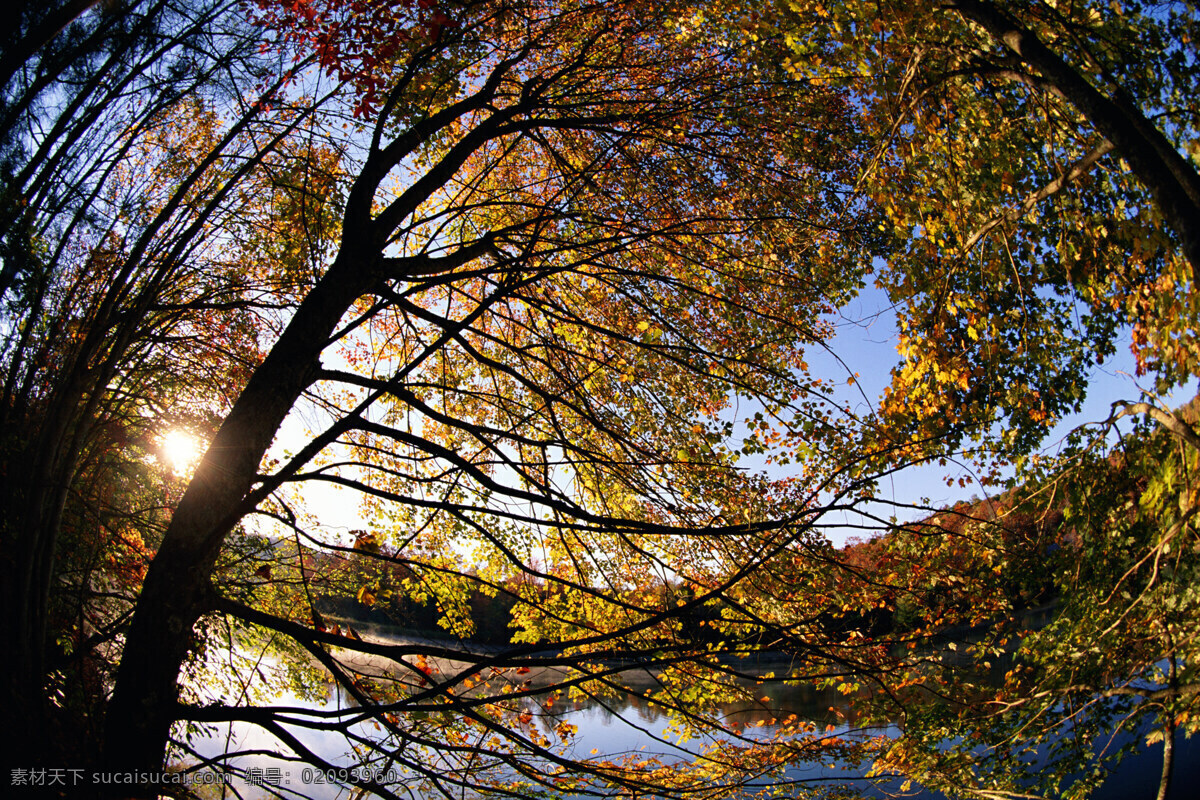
x=530, y=291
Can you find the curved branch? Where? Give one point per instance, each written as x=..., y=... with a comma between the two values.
x=1172, y=181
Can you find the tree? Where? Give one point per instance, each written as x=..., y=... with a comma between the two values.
x=518, y=278
x=1035, y=162
x=574, y=234
x=119, y=181
x=995, y=704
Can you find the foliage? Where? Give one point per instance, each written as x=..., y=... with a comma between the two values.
x=534, y=288
x=996, y=701
x=1024, y=242
x=574, y=237
x=125, y=314
x=1032, y=161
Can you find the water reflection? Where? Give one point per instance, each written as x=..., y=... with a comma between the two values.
x=628, y=723
x=613, y=726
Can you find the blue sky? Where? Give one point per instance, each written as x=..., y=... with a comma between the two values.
x=865, y=344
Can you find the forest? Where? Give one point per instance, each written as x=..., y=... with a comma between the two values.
x=667, y=353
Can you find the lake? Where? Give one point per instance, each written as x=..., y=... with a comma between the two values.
x=628, y=725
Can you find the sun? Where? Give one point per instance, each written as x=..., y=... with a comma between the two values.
x=180, y=450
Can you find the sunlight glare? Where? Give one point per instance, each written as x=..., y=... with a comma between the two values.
x=181, y=451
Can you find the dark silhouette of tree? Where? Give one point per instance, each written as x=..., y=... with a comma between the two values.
x=573, y=235
x=119, y=179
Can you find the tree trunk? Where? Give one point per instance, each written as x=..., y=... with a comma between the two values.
x=177, y=589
